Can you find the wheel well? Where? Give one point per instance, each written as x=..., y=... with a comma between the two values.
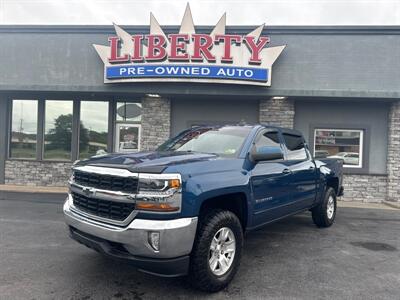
x=235, y=203
x=333, y=183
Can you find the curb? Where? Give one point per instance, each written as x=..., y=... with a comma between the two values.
x=392, y=204
x=32, y=189
x=370, y=205
x=52, y=197
x=33, y=193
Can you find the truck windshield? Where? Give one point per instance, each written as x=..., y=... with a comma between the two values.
x=225, y=141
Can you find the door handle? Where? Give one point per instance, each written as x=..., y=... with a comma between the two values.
x=286, y=171
x=311, y=167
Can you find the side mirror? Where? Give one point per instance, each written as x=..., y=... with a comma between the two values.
x=265, y=153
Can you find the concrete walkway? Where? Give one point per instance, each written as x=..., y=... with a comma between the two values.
x=32, y=193
x=32, y=189
x=358, y=204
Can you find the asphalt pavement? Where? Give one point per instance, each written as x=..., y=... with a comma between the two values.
x=357, y=258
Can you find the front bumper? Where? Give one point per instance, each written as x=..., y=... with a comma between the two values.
x=132, y=242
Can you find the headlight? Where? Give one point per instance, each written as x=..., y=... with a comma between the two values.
x=159, y=193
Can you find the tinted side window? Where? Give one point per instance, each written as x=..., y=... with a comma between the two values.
x=268, y=138
x=295, y=146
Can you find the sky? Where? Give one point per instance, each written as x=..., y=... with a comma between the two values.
x=205, y=12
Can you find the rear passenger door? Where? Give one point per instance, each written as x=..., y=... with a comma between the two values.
x=303, y=172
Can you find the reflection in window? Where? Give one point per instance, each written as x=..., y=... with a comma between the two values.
x=129, y=112
x=339, y=143
x=225, y=141
x=295, y=146
x=24, y=129
x=268, y=139
x=93, y=128
x=58, y=130
x=128, y=137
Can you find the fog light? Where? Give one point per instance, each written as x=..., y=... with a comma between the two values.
x=154, y=240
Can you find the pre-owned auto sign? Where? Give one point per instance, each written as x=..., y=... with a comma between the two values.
x=189, y=56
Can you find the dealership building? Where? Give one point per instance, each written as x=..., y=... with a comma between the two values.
x=59, y=102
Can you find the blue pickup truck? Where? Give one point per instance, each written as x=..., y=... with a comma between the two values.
x=184, y=209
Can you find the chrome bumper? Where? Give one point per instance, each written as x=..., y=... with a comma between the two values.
x=176, y=236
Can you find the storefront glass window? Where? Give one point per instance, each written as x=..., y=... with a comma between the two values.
x=129, y=112
x=24, y=129
x=93, y=128
x=339, y=143
x=58, y=130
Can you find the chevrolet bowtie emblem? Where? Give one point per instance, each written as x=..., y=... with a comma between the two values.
x=89, y=192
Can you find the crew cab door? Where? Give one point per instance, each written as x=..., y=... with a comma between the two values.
x=303, y=172
x=270, y=182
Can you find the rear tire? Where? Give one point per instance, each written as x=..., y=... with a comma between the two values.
x=324, y=214
x=216, y=251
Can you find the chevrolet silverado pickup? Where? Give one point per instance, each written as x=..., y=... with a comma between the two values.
x=184, y=209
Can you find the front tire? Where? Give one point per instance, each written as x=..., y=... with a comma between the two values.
x=324, y=214
x=217, y=251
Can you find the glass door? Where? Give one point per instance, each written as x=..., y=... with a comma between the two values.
x=127, y=137
x=127, y=127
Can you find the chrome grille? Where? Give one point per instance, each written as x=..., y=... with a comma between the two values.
x=118, y=211
x=106, y=182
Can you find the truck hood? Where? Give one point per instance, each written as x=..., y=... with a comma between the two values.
x=146, y=162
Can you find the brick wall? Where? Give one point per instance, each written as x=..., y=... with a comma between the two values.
x=279, y=112
x=393, y=157
x=365, y=188
x=34, y=173
x=156, y=122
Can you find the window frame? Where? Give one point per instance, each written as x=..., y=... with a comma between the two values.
x=366, y=142
x=43, y=136
x=117, y=138
x=10, y=128
x=115, y=108
x=40, y=136
x=361, y=145
x=114, y=122
x=111, y=108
